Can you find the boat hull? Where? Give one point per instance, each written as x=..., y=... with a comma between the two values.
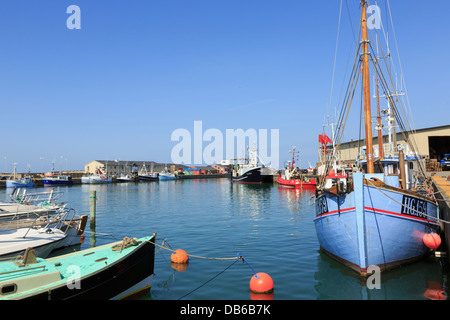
x=295, y=183
x=148, y=178
x=57, y=182
x=16, y=241
x=252, y=176
x=95, y=180
x=19, y=184
x=370, y=227
x=164, y=177
x=125, y=277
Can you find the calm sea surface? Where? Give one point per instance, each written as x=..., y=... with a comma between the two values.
x=271, y=227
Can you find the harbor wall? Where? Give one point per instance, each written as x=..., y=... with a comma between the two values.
x=441, y=187
x=77, y=180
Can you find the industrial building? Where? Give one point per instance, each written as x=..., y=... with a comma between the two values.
x=431, y=143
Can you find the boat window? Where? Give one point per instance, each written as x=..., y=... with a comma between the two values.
x=379, y=167
x=392, y=169
x=9, y=288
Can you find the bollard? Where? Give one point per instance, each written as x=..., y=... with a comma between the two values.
x=93, y=199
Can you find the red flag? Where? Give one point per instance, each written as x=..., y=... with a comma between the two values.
x=323, y=138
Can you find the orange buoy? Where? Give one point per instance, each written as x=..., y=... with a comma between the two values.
x=432, y=240
x=261, y=283
x=179, y=256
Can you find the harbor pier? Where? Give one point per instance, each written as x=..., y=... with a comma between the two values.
x=441, y=185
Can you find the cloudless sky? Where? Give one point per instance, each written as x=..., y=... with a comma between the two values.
x=138, y=70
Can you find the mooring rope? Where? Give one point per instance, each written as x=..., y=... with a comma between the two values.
x=237, y=259
x=189, y=255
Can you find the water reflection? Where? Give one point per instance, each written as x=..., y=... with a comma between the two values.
x=420, y=280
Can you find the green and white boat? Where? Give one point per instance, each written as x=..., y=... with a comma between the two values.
x=118, y=270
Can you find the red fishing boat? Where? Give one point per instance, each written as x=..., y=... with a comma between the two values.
x=292, y=177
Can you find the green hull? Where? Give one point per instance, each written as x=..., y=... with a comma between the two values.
x=99, y=273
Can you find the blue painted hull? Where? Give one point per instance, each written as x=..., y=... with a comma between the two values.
x=19, y=183
x=57, y=182
x=370, y=227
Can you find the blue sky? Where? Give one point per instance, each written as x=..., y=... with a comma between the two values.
x=138, y=70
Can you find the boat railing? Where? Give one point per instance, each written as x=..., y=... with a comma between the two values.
x=53, y=220
x=35, y=198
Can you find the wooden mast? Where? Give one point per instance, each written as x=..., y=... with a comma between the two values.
x=366, y=85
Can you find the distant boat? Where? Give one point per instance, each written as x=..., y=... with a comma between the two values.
x=145, y=175
x=250, y=172
x=22, y=182
x=166, y=176
x=119, y=270
x=291, y=177
x=98, y=177
x=125, y=178
x=54, y=179
x=57, y=180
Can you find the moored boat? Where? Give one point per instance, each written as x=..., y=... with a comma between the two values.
x=373, y=218
x=166, y=176
x=23, y=182
x=44, y=233
x=97, y=178
x=57, y=180
x=125, y=178
x=119, y=270
x=291, y=177
x=145, y=175
x=248, y=170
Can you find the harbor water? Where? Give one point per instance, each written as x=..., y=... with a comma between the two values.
x=216, y=221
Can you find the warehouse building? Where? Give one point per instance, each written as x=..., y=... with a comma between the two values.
x=117, y=167
x=432, y=143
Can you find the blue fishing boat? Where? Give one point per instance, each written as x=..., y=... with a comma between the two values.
x=25, y=181
x=20, y=183
x=379, y=215
x=119, y=270
x=57, y=180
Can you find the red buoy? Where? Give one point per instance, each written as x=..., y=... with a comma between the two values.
x=261, y=283
x=432, y=240
x=179, y=256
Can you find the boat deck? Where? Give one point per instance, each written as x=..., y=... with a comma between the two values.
x=57, y=271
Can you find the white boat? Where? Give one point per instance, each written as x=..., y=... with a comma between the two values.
x=16, y=241
x=44, y=233
x=98, y=177
x=125, y=178
x=30, y=204
x=167, y=176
